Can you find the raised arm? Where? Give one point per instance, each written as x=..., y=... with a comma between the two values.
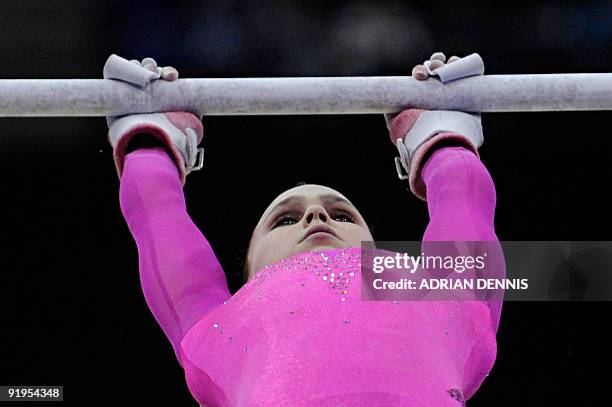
x=181, y=277
x=439, y=151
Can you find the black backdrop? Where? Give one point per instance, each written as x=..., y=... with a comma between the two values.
x=72, y=311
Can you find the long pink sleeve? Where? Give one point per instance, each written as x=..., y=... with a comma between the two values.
x=181, y=277
x=461, y=202
x=460, y=196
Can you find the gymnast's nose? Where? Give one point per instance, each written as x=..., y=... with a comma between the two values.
x=314, y=214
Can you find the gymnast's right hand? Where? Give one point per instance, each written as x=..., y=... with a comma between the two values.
x=179, y=132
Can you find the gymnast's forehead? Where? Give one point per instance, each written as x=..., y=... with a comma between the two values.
x=308, y=189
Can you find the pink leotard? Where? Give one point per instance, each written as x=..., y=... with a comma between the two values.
x=289, y=337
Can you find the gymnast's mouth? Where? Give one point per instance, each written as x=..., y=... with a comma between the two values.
x=319, y=232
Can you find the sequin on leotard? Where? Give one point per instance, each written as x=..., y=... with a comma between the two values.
x=337, y=271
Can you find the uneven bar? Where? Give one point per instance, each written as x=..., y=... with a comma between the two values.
x=314, y=95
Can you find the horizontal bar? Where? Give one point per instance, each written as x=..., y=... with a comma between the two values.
x=314, y=95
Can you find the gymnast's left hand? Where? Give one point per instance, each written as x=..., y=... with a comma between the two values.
x=435, y=66
x=417, y=132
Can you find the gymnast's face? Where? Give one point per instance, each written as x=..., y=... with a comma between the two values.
x=288, y=226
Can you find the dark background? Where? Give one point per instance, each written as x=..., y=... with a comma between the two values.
x=72, y=310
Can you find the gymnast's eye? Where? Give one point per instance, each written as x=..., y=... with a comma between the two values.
x=344, y=216
x=285, y=220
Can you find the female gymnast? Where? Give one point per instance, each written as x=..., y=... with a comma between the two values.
x=297, y=333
